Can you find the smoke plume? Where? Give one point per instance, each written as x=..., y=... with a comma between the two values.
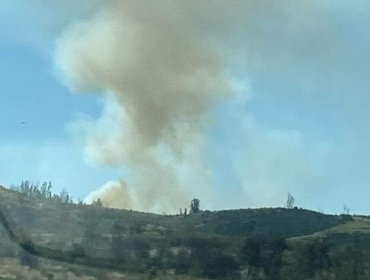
x=163, y=66
x=113, y=194
x=160, y=80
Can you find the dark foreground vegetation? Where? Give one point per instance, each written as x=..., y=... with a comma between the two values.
x=56, y=238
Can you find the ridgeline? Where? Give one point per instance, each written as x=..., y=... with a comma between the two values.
x=267, y=243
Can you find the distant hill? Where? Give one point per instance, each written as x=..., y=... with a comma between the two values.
x=126, y=240
x=53, y=223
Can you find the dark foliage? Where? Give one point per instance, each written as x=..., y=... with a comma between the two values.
x=265, y=254
x=194, y=205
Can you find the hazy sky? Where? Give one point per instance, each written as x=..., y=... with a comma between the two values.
x=284, y=87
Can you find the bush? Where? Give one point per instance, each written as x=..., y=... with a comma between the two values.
x=218, y=265
x=28, y=259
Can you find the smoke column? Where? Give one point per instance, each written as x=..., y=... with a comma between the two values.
x=163, y=66
x=160, y=80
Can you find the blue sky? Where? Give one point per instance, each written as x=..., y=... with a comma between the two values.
x=41, y=148
x=298, y=123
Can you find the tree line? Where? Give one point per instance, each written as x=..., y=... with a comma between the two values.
x=44, y=191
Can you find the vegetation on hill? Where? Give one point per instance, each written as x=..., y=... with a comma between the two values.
x=38, y=228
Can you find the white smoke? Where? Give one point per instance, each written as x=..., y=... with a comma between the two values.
x=113, y=194
x=161, y=67
x=161, y=81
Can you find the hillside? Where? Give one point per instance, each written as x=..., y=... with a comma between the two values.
x=101, y=239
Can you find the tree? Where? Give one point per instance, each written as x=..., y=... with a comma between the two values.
x=64, y=197
x=357, y=257
x=182, y=261
x=194, y=206
x=251, y=254
x=98, y=203
x=28, y=259
x=290, y=201
x=217, y=265
x=75, y=251
x=264, y=254
x=346, y=209
x=35, y=190
x=45, y=190
x=27, y=253
x=130, y=250
x=273, y=257
x=313, y=258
